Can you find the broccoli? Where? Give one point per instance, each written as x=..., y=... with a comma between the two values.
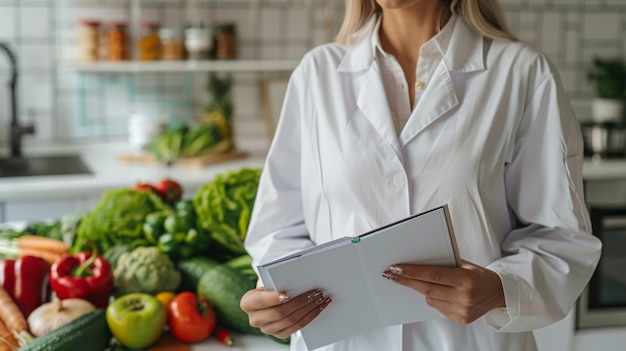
x=146, y=270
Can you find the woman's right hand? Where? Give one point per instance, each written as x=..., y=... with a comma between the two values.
x=277, y=314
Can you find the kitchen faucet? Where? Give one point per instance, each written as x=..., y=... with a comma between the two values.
x=17, y=130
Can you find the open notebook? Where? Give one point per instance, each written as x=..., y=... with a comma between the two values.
x=349, y=269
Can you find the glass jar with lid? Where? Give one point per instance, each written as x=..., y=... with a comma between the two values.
x=149, y=42
x=88, y=40
x=172, y=46
x=117, y=41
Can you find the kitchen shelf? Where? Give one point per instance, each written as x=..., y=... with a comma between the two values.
x=186, y=66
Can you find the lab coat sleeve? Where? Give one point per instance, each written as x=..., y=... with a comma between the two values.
x=550, y=257
x=277, y=223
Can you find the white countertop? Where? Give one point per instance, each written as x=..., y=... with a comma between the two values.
x=108, y=173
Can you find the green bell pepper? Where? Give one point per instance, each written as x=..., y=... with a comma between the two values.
x=179, y=222
x=153, y=226
x=185, y=206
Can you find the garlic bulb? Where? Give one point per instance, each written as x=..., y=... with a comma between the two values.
x=52, y=315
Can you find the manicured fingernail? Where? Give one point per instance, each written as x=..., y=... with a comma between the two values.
x=282, y=297
x=312, y=297
x=390, y=276
x=396, y=270
x=320, y=300
x=326, y=302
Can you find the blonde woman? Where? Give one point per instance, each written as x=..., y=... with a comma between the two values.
x=421, y=103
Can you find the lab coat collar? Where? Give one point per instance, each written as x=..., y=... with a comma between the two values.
x=373, y=103
x=359, y=55
x=440, y=41
x=465, y=52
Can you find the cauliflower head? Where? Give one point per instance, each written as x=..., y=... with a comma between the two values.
x=146, y=270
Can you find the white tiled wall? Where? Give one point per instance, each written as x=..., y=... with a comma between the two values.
x=43, y=33
x=572, y=33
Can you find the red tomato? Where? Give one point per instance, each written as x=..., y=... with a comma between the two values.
x=190, y=319
x=169, y=190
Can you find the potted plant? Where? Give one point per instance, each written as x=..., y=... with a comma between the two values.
x=609, y=76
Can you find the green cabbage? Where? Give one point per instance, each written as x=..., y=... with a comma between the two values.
x=117, y=219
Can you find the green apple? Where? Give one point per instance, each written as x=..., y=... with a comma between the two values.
x=136, y=320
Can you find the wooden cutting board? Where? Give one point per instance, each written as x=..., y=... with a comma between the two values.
x=189, y=162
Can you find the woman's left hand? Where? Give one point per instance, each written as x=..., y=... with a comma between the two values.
x=462, y=294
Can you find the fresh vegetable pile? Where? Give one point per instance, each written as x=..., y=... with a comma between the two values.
x=144, y=268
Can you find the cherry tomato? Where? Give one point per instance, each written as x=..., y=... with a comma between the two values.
x=190, y=319
x=169, y=190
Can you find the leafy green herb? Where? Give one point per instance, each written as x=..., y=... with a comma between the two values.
x=609, y=76
x=48, y=229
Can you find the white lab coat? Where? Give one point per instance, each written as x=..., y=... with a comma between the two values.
x=493, y=136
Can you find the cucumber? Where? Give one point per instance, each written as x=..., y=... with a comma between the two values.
x=87, y=332
x=191, y=270
x=224, y=287
x=243, y=264
x=240, y=262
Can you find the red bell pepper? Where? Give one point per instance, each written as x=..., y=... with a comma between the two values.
x=85, y=275
x=26, y=281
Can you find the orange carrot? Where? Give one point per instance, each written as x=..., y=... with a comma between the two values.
x=13, y=318
x=7, y=341
x=50, y=257
x=10, y=314
x=41, y=243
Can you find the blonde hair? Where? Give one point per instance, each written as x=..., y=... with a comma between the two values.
x=483, y=16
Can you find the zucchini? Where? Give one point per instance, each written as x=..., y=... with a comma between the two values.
x=87, y=332
x=224, y=287
x=191, y=270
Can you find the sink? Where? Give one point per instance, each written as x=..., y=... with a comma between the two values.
x=42, y=166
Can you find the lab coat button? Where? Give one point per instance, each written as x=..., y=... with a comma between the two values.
x=419, y=85
x=398, y=180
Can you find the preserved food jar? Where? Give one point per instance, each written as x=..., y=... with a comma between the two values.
x=197, y=43
x=117, y=40
x=172, y=47
x=103, y=45
x=149, y=42
x=225, y=41
x=88, y=40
